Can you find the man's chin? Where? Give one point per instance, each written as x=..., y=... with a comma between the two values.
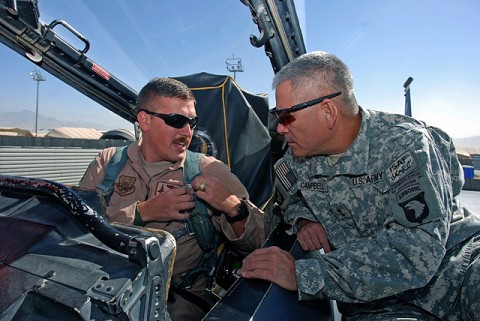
x=176, y=157
x=181, y=155
x=297, y=152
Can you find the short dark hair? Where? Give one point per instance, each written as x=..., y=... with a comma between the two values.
x=165, y=87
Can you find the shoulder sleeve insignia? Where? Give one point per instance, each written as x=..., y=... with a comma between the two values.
x=416, y=209
x=401, y=167
x=285, y=175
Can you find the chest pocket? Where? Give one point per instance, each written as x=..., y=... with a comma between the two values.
x=369, y=206
x=335, y=218
x=349, y=211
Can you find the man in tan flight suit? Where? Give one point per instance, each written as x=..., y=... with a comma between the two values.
x=149, y=190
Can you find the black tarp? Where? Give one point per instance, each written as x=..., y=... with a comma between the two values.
x=235, y=120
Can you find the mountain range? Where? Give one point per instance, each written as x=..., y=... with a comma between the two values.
x=25, y=119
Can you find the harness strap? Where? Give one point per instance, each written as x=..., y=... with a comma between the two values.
x=114, y=166
x=199, y=224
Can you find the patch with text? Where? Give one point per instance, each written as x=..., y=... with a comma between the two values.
x=367, y=179
x=400, y=168
x=320, y=186
x=408, y=187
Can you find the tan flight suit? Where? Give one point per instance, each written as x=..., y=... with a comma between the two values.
x=133, y=184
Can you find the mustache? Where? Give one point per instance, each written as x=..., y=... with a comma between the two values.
x=182, y=140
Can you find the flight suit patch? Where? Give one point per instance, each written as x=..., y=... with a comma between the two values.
x=125, y=185
x=162, y=187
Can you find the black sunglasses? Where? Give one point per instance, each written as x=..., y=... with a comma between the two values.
x=283, y=115
x=175, y=120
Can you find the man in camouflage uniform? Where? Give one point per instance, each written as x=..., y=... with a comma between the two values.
x=378, y=192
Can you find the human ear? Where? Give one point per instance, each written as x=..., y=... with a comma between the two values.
x=331, y=113
x=143, y=120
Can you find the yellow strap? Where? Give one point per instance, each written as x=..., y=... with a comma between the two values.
x=224, y=108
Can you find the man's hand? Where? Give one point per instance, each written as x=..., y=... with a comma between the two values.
x=210, y=189
x=312, y=236
x=272, y=264
x=170, y=205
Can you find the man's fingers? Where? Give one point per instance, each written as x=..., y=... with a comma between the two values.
x=256, y=274
x=312, y=236
x=305, y=243
x=271, y=264
x=176, y=191
x=326, y=245
x=179, y=216
x=264, y=259
x=309, y=240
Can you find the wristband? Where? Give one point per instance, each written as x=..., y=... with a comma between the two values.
x=138, y=219
x=242, y=213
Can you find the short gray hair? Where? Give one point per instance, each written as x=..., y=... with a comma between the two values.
x=319, y=70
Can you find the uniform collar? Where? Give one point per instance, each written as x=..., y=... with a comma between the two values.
x=355, y=159
x=134, y=154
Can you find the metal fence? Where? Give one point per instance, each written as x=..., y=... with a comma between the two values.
x=63, y=161
x=63, y=165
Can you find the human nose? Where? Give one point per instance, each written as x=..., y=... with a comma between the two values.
x=282, y=129
x=186, y=130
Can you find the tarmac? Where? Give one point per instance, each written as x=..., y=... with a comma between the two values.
x=471, y=200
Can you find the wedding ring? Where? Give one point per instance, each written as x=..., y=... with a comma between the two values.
x=203, y=187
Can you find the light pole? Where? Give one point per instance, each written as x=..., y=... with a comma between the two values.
x=38, y=77
x=234, y=65
x=408, y=103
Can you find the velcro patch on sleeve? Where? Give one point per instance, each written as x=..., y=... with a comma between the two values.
x=415, y=201
x=401, y=167
x=285, y=175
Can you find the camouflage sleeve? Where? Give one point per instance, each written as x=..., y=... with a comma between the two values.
x=292, y=206
x=445, y=142
x=420, y=176
x=407, y=252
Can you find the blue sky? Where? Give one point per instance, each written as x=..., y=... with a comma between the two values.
x=382, y=41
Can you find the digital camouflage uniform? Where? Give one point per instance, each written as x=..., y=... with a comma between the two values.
x=401, y=241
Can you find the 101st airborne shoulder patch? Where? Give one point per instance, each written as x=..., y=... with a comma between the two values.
x=411, y=199
x=416, y=209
